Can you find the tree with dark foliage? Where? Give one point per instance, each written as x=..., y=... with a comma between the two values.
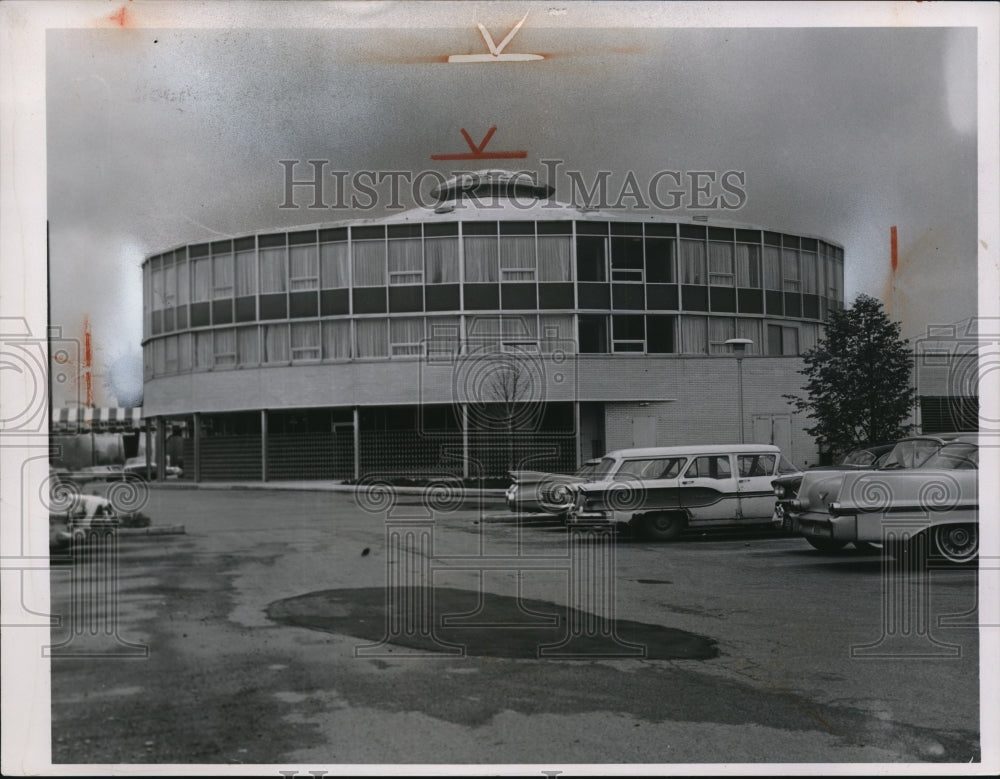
x=858, y=386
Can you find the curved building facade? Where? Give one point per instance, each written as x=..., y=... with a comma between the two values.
x=500, y=328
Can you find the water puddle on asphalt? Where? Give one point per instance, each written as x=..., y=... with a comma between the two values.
x=483, y=625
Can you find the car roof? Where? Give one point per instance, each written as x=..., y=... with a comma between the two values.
x=662, y=451
x=943, y=437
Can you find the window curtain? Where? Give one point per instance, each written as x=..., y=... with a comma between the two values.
x=302, y=268
x=159, y=296
x=183, y=283
x=694, y=335
x=557, y=333
x=519, y=328
x=481, y=259
x=809, y=273
x=337, y=340
x=517, y=257
x=159, y=357
x=790, y=269
x=554, y=257
x=333, y=266
x=225, y=347
x=170, y=286
x=273, y=273
x=222, y=276
x=750, y=328
x=772, y=267
x=185, y=357
x=246, y=273
x=692, y=262
x=808, y=336
x=305, y=341
x=171, y=346
x=369, y=263
x=203, y=356
x=747, y=265
x=406, y=335
x=247, y=346
x=444, y=335
x=442, y=260
x=405, y=261
x=372, y=338
x=720, y=330
x=720, y=264
x=482, y=333
x=276, y=343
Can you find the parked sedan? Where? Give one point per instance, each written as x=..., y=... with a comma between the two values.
x=538, y=491
x=136, y=466
x=786, y=488
x=72, y=511
x=930, y=510
x=906, y=453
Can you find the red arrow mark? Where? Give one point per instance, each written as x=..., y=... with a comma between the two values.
x=478, y=152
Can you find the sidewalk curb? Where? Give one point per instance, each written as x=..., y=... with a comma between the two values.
x=152, y=530
x=467, y=492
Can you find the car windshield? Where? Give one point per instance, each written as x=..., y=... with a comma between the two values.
x=588, y=469
x=954, y=457
x=604, y=467
x=859, y=457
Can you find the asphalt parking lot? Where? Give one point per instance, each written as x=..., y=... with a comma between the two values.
x=288, y=628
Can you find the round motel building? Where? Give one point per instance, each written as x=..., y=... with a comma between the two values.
x=498, y=330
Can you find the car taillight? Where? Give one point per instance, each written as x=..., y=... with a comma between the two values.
x=779, y=491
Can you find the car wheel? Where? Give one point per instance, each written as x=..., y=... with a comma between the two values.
x=662, y=527
x=958, y=544
x=826, y=545
x=866, y=548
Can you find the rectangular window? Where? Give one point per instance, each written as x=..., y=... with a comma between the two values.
x=693, y=262
x=556, y=333
x=201, y=283
x=246, y=273
x=159, y=296
x=710, y=467
x=171, y=357
x=720, y=264
x=628, y=333
x=750, y=328
x=554, y=257
x=305, y=341
x=517, y=257
x=185, y=356
x=694, y=335
x=660, y=334
x=369, y=263
x=183, y=283
x=772, y=268
x=591, y=258
x=333, y=266
x=247, y=346
x=782, y=340
x=203, y=351
x=810, y=273
x=519, y=334
x=275, y=344
x=481, y=261
x=225, y=348
x=444, y=336
x=169, y=286
x=222, y=276
x=660, y=260
x=406, y=263
x=441, y=255
x=747, y=265
x=337, y=340
x=159, y=357
x=302, y=267
x=720, y=330
x=273, y=271
x=593, y=334
x=808, y=336
x=406, y=336
x=790, y=269
x=751, y=465
x=372, y=338
x=626, y=259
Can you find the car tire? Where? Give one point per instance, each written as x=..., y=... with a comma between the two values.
x=826, y=545
x=958, y=544
x=867, y=548
x=662, y=527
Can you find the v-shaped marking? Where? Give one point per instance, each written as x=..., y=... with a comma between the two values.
x=494, y=49
x=479, y=152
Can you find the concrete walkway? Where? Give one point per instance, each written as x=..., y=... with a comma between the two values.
x=312, y=486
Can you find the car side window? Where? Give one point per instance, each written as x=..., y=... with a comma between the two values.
x=709, y=467
x=751, y=465
x=653, y=468
x=784, y=466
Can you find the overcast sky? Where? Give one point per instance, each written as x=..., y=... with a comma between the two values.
x=160, y=137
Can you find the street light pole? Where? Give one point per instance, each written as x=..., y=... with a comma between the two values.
x=739, y=349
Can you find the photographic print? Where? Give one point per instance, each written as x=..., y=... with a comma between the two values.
x=499, y=388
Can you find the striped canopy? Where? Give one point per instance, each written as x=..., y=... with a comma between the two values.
x=71, y=420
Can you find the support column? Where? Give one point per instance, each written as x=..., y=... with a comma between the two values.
x=357, y=444
x=263, y=444
x=465, y=441
x=577, y=434
x=161, y=449
x=149, y=448
x=196, y=434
